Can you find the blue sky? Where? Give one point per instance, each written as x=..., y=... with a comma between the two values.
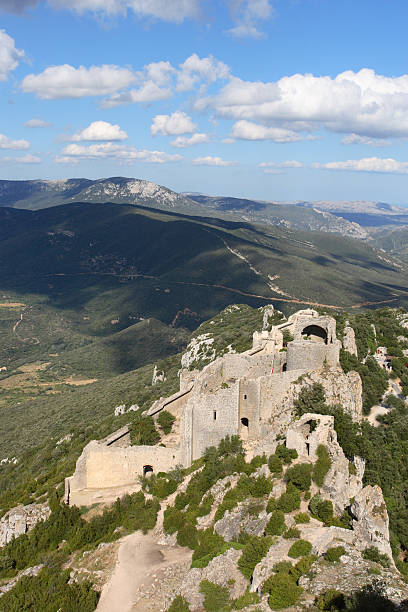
x=272, y=99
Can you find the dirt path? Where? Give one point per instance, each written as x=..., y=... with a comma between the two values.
x=140, y=563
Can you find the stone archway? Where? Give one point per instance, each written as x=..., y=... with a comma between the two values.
x=244, y=430
x=147, y=471
x=315, y=333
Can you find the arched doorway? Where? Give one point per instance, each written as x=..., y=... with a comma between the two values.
x=147, y=471
x=244, y=428
x=315, y=333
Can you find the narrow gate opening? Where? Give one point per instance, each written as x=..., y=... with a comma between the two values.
x=245, y=422
x=147, y=470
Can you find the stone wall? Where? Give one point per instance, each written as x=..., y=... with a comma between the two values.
x=102, y=467
x=309, y=355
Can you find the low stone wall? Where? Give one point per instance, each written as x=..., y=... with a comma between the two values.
x=104, y=467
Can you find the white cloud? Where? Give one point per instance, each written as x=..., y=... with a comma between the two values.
x=365, y=140
x=25, y=159
x=362, y=103
x=188, y=141
x=213, y=161
x=16, y=145
x=368, y=164
x=290, y=163
x=120, y=153
x=58, y=82
x=148, y=92
x=176, y=123
x=9, y=55
x=196, y=69
x=175, y=11
x=247, y=130
x=247, y=14
x=37, y=123
x=100, y=130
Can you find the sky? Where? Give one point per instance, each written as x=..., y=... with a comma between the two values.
x=268, y=99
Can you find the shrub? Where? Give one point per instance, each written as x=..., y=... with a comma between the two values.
x=260, y=486
x=282, y=566
x=322, y=465
x=311, y=399
x=216, y=597
x=331, y=600
x=301, y=548
x=209, y=545
x=333, y=554
x=300, y=476
x=291, y=533
x=275, y=464
x=252, y=553
x=289, y=502
x=247, y=599
x=166, y=420
x=181, y=501
x=302, y=517
x=321, y=509
x=286, y=454
x=258, y=461
x=143, y=431
x=173, y=519
x=187, y=536
x=283, y=591
x=179, y=604
x=302, y=566
x=272, y=505
x=205, y=507
x=276, y=524
x=373, y=554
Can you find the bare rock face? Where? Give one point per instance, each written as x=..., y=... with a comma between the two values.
x=242, y=518
x=222, y=570
x=21, y=519
x=349, y=340
x=371, y=520
x=343, y=480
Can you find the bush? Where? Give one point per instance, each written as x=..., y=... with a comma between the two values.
x=301, y=548
x=260, y=486
x=283, y=591
x=292, y=533
x=166, y=420
x=216, y=597
x=373, y=554
x=289, y=502
x=209, y=545
x=311, y=399
x=322, y=465
x=302, y=566
x=179, y=604
x=333, y=554
x=187, y=536
x=143, y=431
x=173, y=519
x=286, y=454
x=276, y=524
x=302, y=517
x=252, y=553
x=247, y=599
x=321, y=509
x=275, y=464
x=300, y=476
x=331, y=600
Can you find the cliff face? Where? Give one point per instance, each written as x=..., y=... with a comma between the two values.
x=20, y=520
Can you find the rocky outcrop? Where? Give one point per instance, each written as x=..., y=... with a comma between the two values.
x=371, y=520
x=222, y=570
x=20, y=520
x=343, y=480
x=249, y=517
x=349, y=340
x=5, y=587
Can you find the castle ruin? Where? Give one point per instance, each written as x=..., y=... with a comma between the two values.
x=249, y=394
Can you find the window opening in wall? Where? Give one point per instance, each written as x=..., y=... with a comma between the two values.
x=245, y=396
x=147, y=470
x=215, y=415
x=307, y=449
x=245, y=422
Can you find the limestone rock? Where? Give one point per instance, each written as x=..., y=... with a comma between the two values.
x=349, y=340
x=10, y=584
x=371, y=520
x=158, y=376
x=222, y=570
x=240, y=519
x=20, y=520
